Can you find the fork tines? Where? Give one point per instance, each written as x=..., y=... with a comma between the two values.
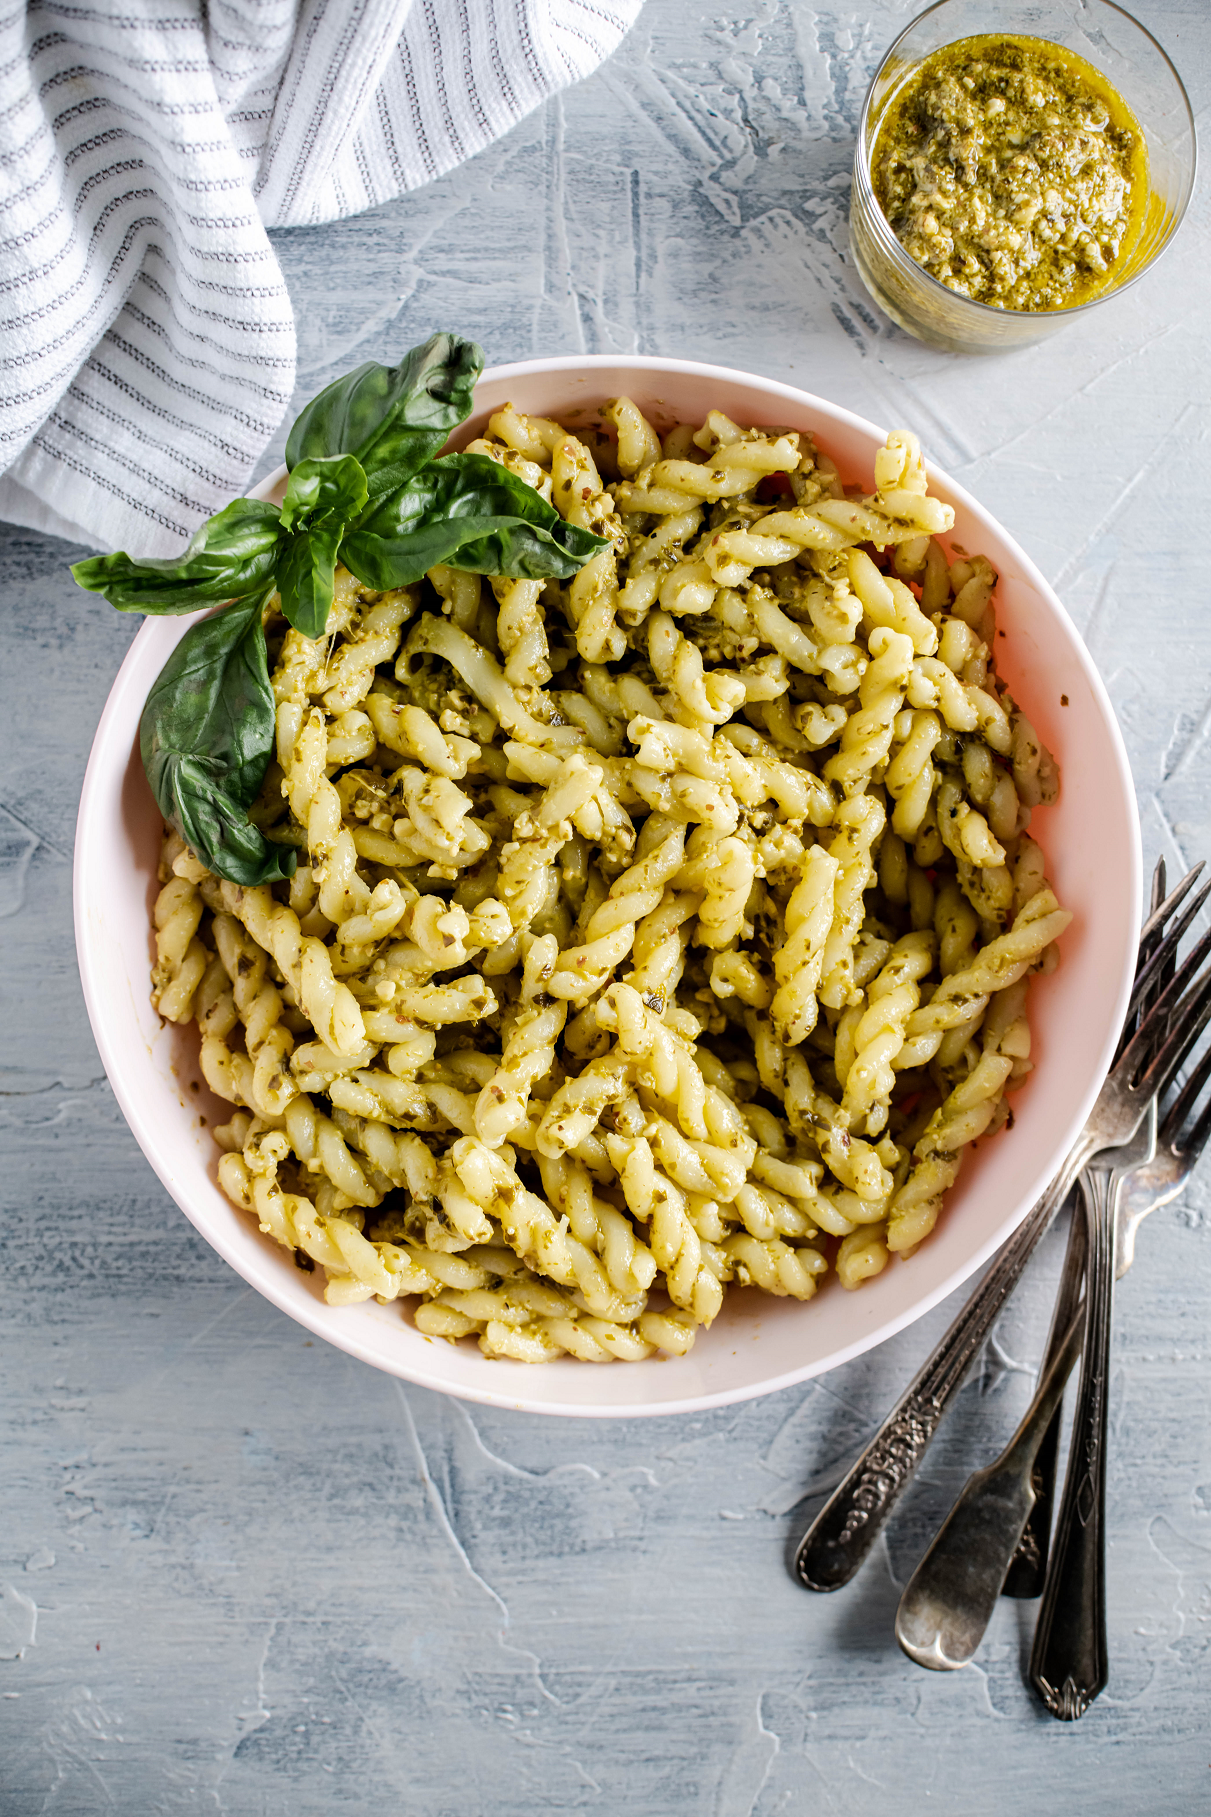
x=1171, y=1027
x=1176, y=896
x=1165, y=949
x=1195, y=1139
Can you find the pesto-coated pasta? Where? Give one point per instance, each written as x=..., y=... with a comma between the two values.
x=664, y=928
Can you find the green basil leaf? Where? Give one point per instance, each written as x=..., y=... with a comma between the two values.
x=393, y=418
x=321, y=487
x=231, y=556
x=206, y=737
x=466, y=511
x=306, y=572
x=323, y=497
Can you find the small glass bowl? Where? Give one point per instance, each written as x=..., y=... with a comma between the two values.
x=1131, y=60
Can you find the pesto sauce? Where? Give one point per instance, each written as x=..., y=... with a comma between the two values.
x=1012, y=172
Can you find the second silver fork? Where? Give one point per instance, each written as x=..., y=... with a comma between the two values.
x=949, y=1599
x=995, y=1539
x=1070, y=1663
x=845, y=1529
x=1027, y=1571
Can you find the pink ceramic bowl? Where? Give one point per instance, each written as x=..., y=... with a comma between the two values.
x=1091, y=838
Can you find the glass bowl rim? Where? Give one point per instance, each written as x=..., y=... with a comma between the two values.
x=881, y=227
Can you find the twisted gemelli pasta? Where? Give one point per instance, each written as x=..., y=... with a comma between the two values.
x=180, y=957
x=799, y=958
x=658, y=930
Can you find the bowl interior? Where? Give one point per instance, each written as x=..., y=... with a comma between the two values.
x=1090, y=836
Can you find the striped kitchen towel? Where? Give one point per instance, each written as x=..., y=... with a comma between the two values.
x=147, y=338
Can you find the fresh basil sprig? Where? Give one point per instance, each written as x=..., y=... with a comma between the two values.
x=366, y=488
x=206, y=737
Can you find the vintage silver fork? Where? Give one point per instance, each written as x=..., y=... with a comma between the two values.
x=1028, y=1567
x=845, y=1529
x=1069, y=1665
x=949, y=1599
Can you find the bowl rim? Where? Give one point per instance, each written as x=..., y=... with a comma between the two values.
x=890, y=246
x=316, y=1316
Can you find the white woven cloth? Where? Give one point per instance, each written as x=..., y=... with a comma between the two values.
x=146, y=334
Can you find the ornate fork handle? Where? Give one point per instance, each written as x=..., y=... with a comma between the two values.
x=849, y=1523
x=1070, y=1665
x=1028, y=1567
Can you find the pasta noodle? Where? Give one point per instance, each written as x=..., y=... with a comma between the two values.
x=659, y=930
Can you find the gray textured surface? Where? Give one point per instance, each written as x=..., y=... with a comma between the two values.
x=246, y=1575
